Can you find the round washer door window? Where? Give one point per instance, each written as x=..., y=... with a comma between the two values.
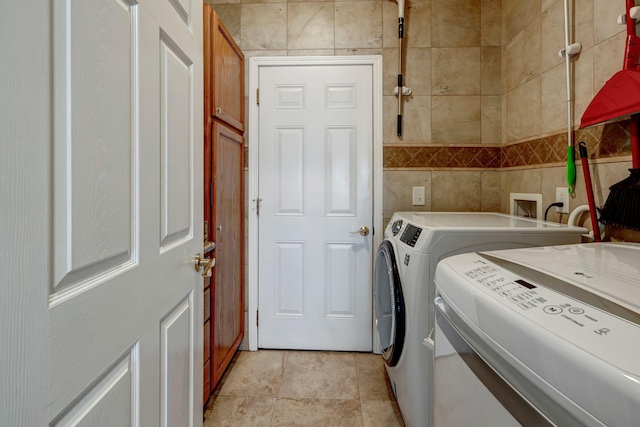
x=389, y=304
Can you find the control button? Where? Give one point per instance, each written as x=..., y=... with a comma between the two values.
x=552, y=309
x=576, y=310
x=525, y=305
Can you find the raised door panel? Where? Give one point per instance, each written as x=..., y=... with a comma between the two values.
x=228, y=77
x=207, y=304
x=175, y=144
x=206, y=391
x=228, y=310
x=95, y=143
x=207, y=342
x=112, y=401
x=177, y=361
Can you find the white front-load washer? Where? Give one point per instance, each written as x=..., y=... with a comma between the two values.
x=405, y=264
x=538, y=337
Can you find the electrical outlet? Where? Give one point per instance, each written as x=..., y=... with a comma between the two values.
x=418, y=196
x=562, y=195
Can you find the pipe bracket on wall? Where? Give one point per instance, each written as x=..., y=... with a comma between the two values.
x=572, y=49
x=405, y=91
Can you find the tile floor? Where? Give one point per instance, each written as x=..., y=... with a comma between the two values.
x=303, y=388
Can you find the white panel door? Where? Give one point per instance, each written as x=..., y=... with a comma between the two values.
x=316, y=188
x=116, y=199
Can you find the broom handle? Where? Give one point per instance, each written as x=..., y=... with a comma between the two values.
x=635, y=141
x=593, y=213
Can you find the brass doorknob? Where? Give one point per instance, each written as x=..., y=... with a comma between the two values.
x=364, y=231
x=207, y=263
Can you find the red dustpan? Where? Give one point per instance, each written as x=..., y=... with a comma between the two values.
x=620, y=96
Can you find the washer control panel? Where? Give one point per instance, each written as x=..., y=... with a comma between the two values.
x=524, y=296
x=591, y=328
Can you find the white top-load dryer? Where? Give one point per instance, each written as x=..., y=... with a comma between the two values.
x=539, y=336
x=404, y=290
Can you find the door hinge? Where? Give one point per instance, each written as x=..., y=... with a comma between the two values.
x=257, y=200
x=258, y=96
x=258, y=318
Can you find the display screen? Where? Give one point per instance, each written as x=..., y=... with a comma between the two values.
x=410, y=235
x=525, y=284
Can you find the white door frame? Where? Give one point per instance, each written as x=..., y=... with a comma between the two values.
x=254, y=121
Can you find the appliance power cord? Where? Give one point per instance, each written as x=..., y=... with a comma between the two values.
x=557, y=204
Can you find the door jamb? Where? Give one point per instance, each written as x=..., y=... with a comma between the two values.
x=255, y=63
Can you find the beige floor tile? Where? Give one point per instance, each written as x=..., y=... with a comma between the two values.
x=311, y=412
x=372, y=378
x=316, y=389
x=319, y=375
x=379, y=414
x=239, y=411
x=254, y=374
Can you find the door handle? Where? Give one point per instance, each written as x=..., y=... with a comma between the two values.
x=207, y=263
x=364, y=231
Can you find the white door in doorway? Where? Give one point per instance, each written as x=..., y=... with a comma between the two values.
x=315, y=182
x=101, y=319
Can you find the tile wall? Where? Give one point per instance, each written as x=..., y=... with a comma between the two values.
x=534, y=107
x=489, y=99
x=452, y=54
x=452, y=62
x=487, y=116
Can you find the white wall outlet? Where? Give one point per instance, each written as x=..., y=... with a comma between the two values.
x=562, y=195
x=418, y=196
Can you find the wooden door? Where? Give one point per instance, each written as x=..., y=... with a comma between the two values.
x=224, y=63
x=316, y=139
x=104, y=156
x=228, y=294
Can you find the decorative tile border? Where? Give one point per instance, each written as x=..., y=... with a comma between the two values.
x=441, y=157
x=604, y=141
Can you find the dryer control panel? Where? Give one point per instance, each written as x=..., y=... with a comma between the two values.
x=410, y=235
x=396, y=227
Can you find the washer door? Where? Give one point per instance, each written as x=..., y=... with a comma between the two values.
x=389, y=304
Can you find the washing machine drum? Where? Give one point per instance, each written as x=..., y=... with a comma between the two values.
x=389, y=304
